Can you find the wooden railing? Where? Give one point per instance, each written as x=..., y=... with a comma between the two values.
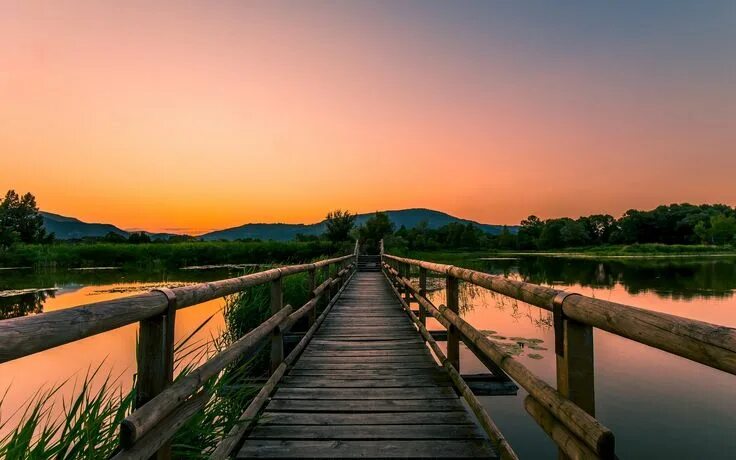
x=566, y=413
x=162, y=407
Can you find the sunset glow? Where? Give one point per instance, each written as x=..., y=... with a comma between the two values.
x=186, y=116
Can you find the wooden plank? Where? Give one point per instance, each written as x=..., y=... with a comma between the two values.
x=347, y=432
x=373, y=405
x=363, y=394
x=342, y=359
x=366, y=373
x=365, y=366
x=407, y=382
x=366, y=386
x=321, y=353
x=380, y=418
x=266, y=448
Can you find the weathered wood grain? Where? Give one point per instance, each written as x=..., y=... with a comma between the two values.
x=366, y=375
x=266, y=448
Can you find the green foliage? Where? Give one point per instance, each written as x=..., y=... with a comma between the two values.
x=162, y=255
x=374, y=230
x=20, y=220
x=339, y=225
x=86, y=429
x=139, y=238
x=673, y=224
x=677, y=224
x=719, y=229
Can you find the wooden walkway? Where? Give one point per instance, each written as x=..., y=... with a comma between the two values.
x=366, y=386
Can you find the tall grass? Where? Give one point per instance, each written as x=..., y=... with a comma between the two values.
x=161, y=255
x=86, y=426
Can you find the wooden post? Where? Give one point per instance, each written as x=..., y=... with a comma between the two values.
x=277, y=340
x=422, y=293
x=312, y=285
x=575, y=363
x=328, y=291
x=575, y=369
x=155, y=356
x=407, y=275
x=453, y=336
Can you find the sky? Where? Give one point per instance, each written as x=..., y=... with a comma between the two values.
x=188, y=116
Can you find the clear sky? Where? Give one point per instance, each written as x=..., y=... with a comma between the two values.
x=188, y=116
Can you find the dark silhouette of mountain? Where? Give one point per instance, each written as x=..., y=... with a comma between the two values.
x=407, y=217
x=70, y=228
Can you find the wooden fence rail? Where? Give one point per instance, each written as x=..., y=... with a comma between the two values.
x=567, y=413
x=162, y=407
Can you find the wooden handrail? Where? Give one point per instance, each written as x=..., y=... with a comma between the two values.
x=247, y=419
x=141, y=430
x=585, y=426
x=489, y=426
x=706, y=343
x=138, y=423
x=30, y=334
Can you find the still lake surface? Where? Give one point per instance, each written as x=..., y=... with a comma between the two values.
x=658, y=405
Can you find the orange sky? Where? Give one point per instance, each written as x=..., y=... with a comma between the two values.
x=189, y=116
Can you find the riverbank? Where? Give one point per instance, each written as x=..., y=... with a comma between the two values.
x=162, y=255
x=634, y=251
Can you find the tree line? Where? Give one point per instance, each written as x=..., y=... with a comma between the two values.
x=21, y=222
x=684, y=224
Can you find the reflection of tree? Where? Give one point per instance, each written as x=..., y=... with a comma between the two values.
x=675, y=279
x=24, y=304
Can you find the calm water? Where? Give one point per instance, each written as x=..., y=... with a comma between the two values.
x=659, y=406
x=115, y=349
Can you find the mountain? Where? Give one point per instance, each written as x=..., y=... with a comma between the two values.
x=406, y=217
x=70, y=228
x=67, y=228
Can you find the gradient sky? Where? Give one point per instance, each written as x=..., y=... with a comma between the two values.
x=188, y=116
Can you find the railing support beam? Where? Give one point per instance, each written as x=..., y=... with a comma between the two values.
x=407, y=275
x=575, y=368
x=277, y=339
x=312, y=285
x=453, y=335
x=155, y=356
x=422, y=293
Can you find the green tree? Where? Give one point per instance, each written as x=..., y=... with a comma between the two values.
x=719, y=229
x=113, y=237
x=529, y=232
x=21, y=220
x=573, y=233
x=599, y=227
x=339, y=225
x=374, y=230
x=139, y=238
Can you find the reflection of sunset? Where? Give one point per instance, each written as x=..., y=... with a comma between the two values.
x=114, y=350
x=196, y=117
x=635, y=384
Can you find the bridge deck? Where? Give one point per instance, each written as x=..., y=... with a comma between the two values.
x=366, y=386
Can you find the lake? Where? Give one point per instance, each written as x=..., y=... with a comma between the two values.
x=657, y=405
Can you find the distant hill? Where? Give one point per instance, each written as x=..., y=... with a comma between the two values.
x=406, y=217
x=70, y=228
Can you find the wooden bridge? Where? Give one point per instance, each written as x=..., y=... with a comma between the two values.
x=366, y=378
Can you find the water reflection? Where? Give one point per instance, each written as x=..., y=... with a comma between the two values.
x=669, y=278
x=638, y=389
x=24, y=304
